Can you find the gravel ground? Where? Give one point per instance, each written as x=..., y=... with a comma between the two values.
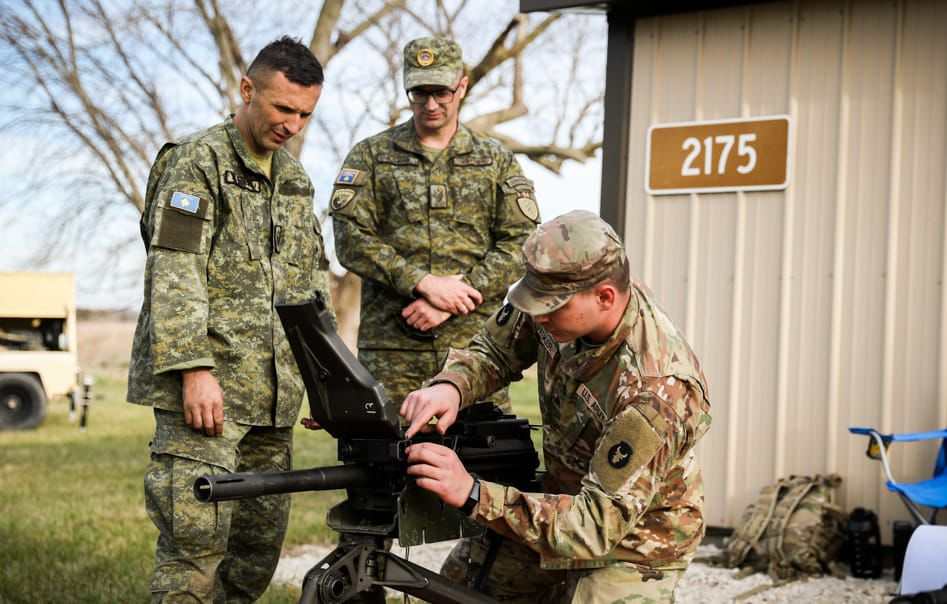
x=701, y=584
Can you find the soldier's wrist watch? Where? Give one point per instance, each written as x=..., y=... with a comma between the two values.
x=473, y=498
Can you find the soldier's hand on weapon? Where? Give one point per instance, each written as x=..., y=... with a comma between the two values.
x=449, y=294
x=423, y=315
x=439, y=470
x=310, y=424
x=203, y=401
x=419, y=407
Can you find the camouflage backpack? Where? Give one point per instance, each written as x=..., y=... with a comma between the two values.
x=794, y=528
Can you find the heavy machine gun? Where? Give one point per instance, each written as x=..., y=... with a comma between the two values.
x=383, y=502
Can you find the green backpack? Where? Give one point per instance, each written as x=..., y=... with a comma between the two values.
x=794, y=528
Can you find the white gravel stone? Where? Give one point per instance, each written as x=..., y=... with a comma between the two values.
x=702, y=584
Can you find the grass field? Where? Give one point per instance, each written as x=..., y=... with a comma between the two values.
x=73, y=526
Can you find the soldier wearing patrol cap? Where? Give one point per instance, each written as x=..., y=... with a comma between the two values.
x=229, y=229
x=432, y=216
x=623, y=402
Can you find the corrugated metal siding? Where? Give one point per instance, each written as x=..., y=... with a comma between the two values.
x=821, y=306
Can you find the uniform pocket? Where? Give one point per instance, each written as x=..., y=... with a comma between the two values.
x=301, y=246
x=403, y=188
x=473, y=199
x=231, y=239
x=193, y=522
x=411, y=201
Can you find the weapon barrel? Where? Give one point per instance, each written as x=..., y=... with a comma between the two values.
x=248, y=484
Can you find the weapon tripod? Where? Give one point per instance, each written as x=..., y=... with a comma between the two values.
x=362, y=564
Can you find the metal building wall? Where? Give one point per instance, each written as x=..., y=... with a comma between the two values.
x=824, y=305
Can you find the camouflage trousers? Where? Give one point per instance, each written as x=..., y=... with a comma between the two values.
x=516, y=577
x=401, y=371
x=214, y=552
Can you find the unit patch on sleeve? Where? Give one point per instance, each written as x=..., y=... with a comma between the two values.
x=629, y=444
x=341, y=198
x=528, y=207
x=619, y=455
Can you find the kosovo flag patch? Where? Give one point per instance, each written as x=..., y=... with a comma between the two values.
x=185, y=202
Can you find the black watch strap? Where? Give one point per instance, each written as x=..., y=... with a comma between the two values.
x=473, y=498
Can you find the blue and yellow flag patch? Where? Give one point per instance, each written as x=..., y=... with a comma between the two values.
x=349, y=176
x=185, y=202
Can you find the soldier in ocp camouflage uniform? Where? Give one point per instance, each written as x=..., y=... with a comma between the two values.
x=432, y=216
x=623, y=401
x=230, y=231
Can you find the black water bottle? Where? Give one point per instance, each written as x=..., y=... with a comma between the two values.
x=864, y=544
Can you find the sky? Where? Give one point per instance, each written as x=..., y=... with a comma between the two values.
x=109, y=274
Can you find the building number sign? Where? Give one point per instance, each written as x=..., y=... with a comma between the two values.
x=717, y=156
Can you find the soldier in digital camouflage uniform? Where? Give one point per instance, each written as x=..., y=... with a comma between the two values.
x=229, y=229
x=432, y=216
x=623, y=401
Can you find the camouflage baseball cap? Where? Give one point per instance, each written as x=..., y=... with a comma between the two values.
x=432, y=62
x=569, y=254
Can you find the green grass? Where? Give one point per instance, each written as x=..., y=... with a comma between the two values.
x=73, y=527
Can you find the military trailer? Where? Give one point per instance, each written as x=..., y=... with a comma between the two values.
x=38, y=357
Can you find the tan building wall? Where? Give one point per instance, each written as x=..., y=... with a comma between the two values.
x=823, y=305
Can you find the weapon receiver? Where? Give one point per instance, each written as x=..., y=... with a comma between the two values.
x=383, y=501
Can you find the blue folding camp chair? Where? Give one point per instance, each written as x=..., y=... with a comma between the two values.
x=930, y=493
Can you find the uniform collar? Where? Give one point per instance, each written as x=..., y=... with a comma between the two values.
x=240, y=146
x=584, y=365
x=406, y=138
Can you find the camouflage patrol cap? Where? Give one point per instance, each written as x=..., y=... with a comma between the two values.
x=569, y=254
x=432, y=62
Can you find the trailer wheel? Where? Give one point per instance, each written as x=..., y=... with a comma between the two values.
x=22, y=401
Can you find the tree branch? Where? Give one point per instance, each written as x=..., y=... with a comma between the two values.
x=499, y=53
x=549, y=156
x=228, y=54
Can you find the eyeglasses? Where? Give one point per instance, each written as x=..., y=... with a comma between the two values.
x=441, y=96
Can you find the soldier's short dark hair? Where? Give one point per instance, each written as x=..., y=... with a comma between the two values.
x=290, y=57
x=619, y=276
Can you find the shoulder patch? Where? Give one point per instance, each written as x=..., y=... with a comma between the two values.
x=519, y=183
x=185, y=202
x=629, y=444
x=341, y=198
x=528, y=207
x=182, y=223
x=350, y=176
x=620, y=454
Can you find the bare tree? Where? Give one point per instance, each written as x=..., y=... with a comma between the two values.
x=104, y=85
